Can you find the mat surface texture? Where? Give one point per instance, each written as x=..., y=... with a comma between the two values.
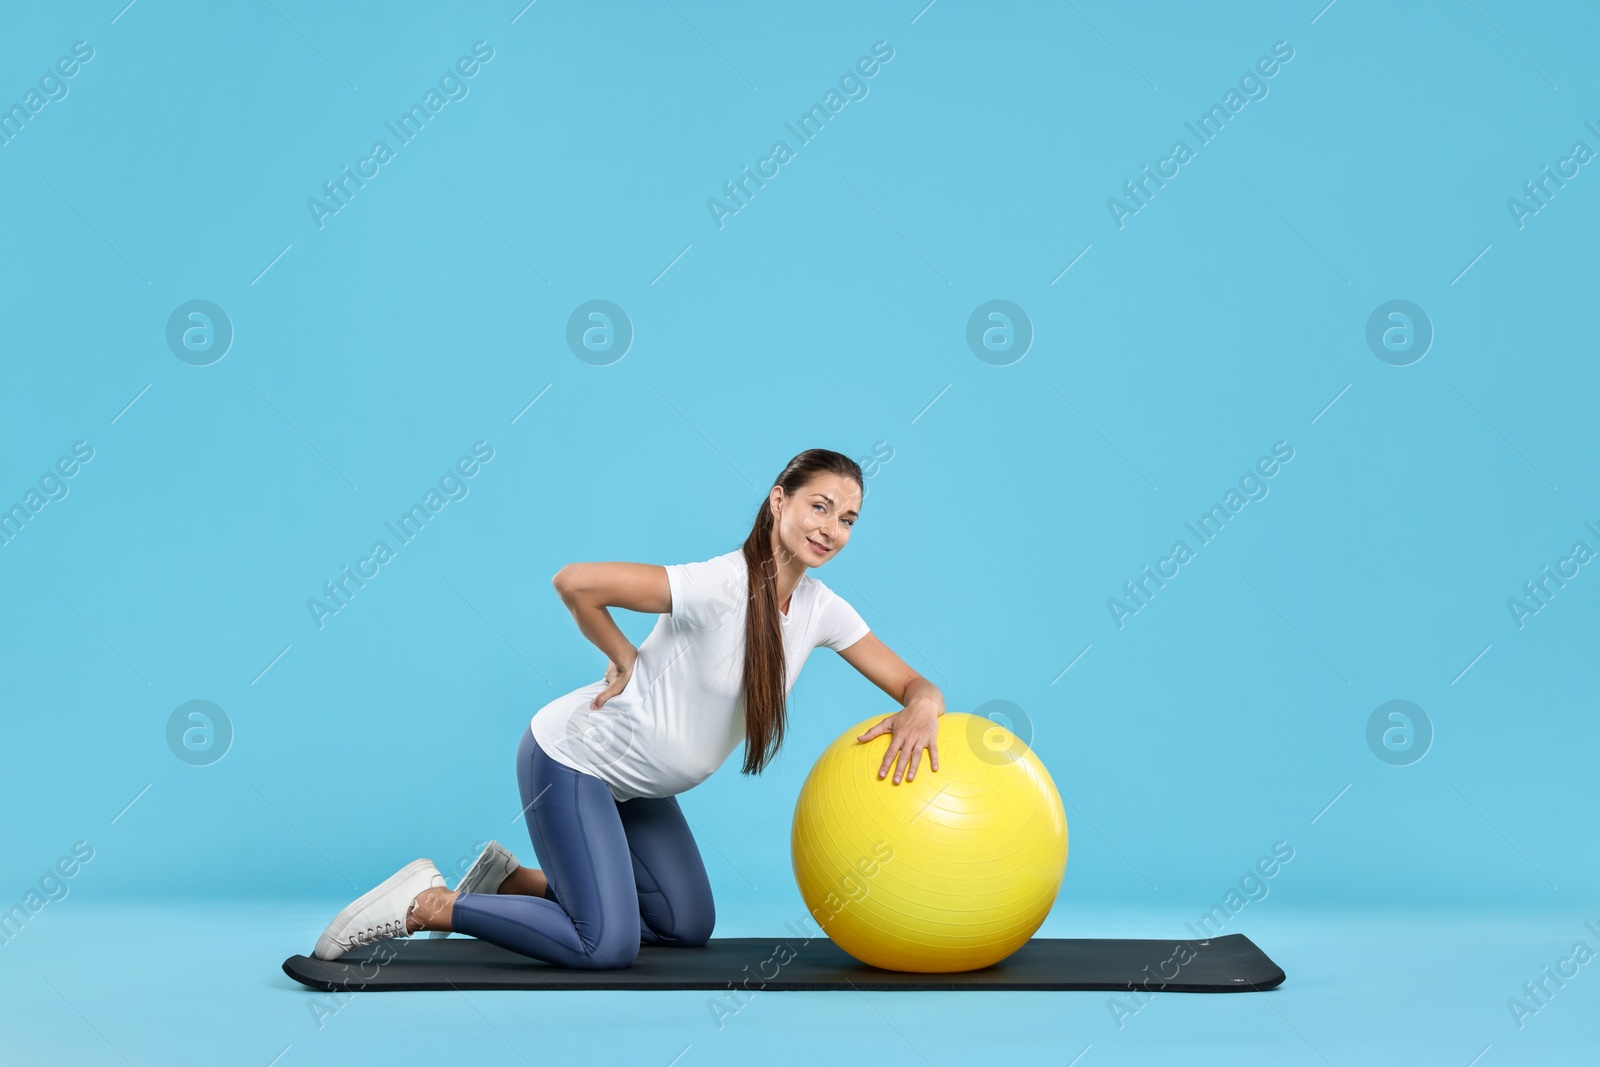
x=1230, y=963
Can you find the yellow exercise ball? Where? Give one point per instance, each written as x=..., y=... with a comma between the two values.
x=951, y=871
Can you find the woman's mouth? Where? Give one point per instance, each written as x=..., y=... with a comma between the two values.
x=820, y=549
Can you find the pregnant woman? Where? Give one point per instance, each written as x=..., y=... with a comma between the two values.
x=599, y=769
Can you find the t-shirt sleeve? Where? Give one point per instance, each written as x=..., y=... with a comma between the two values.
x=842, y=626
x=702, y=593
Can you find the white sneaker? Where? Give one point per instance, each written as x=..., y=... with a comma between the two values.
x=379, y=913
x=491, y=867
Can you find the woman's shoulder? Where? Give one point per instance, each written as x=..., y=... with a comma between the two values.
x=820, y=590
x=702, y=590
x=825, y=597
x=726, y=559
x=727, y=564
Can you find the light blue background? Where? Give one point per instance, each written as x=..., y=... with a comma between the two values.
x=1227, y=315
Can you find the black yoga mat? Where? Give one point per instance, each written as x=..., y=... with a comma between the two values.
x=1230, y=963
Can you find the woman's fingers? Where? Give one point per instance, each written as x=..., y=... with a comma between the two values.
x=910, y=753
x=615, y=685
x=881, y=726
x=895, y=745
x=904, y=754
x=915, y=749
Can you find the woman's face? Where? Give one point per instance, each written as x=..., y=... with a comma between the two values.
x=813, y=524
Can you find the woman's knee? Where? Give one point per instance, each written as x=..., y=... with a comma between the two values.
x=697, y=930
x=690, y=930
x=612, y=954
x=616, y=947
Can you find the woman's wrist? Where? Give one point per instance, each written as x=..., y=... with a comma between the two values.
x=596, y=623
x=923, y=694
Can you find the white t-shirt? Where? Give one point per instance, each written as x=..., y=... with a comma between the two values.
x=682, y=712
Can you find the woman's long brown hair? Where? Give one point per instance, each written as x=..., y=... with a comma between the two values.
x=765, y=672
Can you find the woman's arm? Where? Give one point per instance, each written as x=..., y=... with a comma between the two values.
x=588, y=589
x=916, y=726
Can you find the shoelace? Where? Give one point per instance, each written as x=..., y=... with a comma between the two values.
x=379, y=931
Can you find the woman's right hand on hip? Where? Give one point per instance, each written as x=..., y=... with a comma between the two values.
x=616, y=679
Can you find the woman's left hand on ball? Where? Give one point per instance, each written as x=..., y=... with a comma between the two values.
x=913, y=728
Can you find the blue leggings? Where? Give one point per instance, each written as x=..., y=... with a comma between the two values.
x=620, y=872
